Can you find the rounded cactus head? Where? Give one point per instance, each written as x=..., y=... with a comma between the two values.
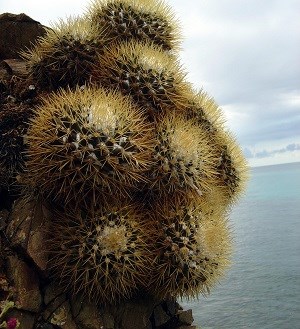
x=103, y=254
x=229, y=165
x=232, y=169
x=64, y=56
x=206, y=113
x=192, y=249
x=139, y=20
x=87, y=142
x=153, y=79
x=183, y=161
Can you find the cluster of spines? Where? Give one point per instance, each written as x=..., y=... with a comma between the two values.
x=153, y=78
x=13, y=126
x=138, y=20
x=90, y=146
x=230, y=165
x=193, y=248
x=64, y=56
x=86, y=143
x=102, y=254
x=183, y=163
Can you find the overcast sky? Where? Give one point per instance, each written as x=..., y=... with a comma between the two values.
x=244, y=53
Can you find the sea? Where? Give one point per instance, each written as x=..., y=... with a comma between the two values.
x=261, y=290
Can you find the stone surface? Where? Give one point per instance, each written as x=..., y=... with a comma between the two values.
x=26, y=319
x=62, y=317
x=172, y=307
x=26, y=284
x=52, y=291
x=27, y=230
x=160, y=316
x=129, y=311
x=108, y=321
x=185, y=317
x=16, y=33
x=187, y=327
x=89, y=317
x=12, y=67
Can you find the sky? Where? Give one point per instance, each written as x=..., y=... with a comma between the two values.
x=245, y=54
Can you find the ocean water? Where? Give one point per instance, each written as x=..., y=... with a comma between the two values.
x=262, y=288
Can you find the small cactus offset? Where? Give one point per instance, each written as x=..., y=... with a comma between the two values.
x=137, y=167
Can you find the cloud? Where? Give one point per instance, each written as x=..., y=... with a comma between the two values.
x=246, y=55
x=265, y=153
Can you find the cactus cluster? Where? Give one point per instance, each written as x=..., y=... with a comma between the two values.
x=138, y=167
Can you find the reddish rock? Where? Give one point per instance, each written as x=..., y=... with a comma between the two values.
x=25, y=319
x=89, y=317
x=26, y=284
x=27, y=230
x=160, y=316
x=185, y=317
x=16, y=33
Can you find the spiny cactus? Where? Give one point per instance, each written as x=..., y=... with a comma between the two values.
x=129, y=125
x=153, y=78
x=140, y=20
x=64, y=56
x=87, y=141
x=229, y=165
x=183, y=162
x=193, y=246
x=13, y=125
x=103, y=254
x=205, y=112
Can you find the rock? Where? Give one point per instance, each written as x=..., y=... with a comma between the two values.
x=62, y=317
x=3, y=218
x=12, y=67
x=172, y=306
x=136, y=314
x=187, y=327
x=26, y=320
x=52, y=291
x=160, y=316
x=89, y=317
x=16, y=33
x=27, y=230
x=76, y=303
x=108, y=321
x=53, y=304
x=26, y=284
x=185, y=317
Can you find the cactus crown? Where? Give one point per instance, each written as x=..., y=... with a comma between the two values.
x=90, y=141
x=64, y=57
x=153, y=78
x=103, y=254
x=183, y=161
x=138, y=20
